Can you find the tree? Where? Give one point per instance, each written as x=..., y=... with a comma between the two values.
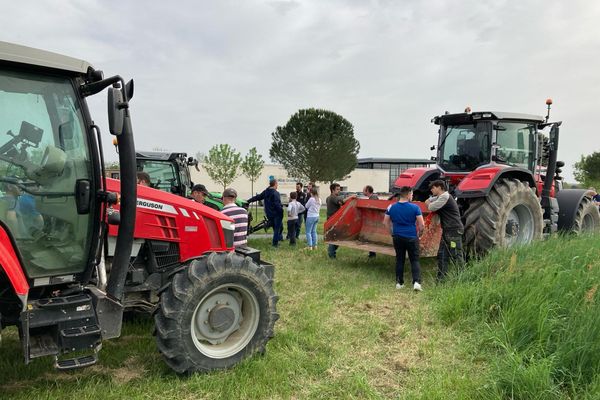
x=587, y=170
x=252, y=166
x=317, y=145
x=222, y=163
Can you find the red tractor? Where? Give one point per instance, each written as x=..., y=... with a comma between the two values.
x=502, y=168
x=67, y=272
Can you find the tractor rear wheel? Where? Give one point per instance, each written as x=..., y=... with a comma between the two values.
x=216, y=311
x=587, y=218
x=509, y=215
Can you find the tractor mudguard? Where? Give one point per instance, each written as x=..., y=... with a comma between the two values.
x=568, y=204
x=417, y=178
x=479, y=182
x=9, y=262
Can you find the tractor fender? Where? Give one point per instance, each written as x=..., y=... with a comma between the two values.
x=417, y=178
x=11, y=265
x=479, y=182
x=568, y=204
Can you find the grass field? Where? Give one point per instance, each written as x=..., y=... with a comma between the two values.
x=346, y=332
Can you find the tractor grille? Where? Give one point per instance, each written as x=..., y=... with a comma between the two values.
x=165, y=253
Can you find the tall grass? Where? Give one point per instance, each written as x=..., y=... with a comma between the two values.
x=536, y=311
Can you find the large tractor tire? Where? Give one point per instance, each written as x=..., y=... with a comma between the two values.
x=216, y=311
x=587, y=218
x=510, y=215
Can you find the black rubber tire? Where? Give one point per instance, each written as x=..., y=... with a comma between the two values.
x=486, y=217
x=587, y=218
x=193, y=283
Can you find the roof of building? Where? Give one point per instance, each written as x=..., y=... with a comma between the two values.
x=395, y=160
x=28, y=55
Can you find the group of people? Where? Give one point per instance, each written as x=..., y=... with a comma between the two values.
x=303, y=206
x=405, y=220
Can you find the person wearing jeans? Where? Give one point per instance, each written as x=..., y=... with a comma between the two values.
x=313, y=206
x=405, y=220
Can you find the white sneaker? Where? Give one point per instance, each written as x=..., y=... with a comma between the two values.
x=417, y=287
x=399, y=286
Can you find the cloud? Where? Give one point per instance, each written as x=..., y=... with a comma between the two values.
x=229, y=71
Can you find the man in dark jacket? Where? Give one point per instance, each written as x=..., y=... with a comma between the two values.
x=452, y=228
x=273, y=209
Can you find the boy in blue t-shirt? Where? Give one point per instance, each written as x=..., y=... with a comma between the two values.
x=405, y=221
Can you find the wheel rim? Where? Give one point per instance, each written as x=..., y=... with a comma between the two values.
x=587, y=224
x=225, y=321
x=519, y=226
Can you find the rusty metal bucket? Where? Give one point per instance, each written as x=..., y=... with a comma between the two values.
x=359, y=224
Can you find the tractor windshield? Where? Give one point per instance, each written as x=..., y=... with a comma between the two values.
x=44, y=152
x=163, y=175
x=171, y=176
x=516, y=144
x=463, y=148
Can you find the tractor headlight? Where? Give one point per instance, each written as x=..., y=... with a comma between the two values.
x=228, y=229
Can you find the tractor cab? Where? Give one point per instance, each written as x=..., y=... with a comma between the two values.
x=168, y=172
x=468, y=141
x=53, y=201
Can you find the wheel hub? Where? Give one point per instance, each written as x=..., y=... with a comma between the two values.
x=512, y=228
x=218, y=316
x=225, y=320
x=221, y=318
x=519, y=227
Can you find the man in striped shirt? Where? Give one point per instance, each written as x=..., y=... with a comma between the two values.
x=239, y=216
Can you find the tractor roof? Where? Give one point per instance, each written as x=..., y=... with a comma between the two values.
x=28, y=55
x=158, y=155
x=467, y=118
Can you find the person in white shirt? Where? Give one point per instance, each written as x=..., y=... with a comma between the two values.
x=293, y=209
x=313, y=206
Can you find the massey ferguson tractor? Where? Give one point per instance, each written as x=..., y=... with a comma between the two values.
x=67, y=270
x=502, y=169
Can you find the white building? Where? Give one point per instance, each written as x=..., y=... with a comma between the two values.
x=355, y=181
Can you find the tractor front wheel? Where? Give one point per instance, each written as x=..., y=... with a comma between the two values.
x=216, y=311
x=509, y=215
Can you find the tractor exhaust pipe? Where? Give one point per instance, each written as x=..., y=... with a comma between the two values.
x=116, y=280
x=551, y=170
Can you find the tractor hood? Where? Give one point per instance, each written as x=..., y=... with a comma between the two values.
x=167, y=217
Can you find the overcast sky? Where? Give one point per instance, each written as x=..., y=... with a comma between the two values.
x=232, y=71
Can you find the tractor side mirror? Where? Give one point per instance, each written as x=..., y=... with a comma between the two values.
x=116, y=112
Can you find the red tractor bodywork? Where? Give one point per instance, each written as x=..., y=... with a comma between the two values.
x=164, y=217
x=9, y=262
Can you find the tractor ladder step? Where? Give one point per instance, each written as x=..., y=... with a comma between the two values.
x=78, y=362
x=78, y=331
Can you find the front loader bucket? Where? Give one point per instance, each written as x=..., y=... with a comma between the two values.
x=359, y=224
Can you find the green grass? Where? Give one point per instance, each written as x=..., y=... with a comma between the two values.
x=519, y=324
x=536, y=314
x=344, y=332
